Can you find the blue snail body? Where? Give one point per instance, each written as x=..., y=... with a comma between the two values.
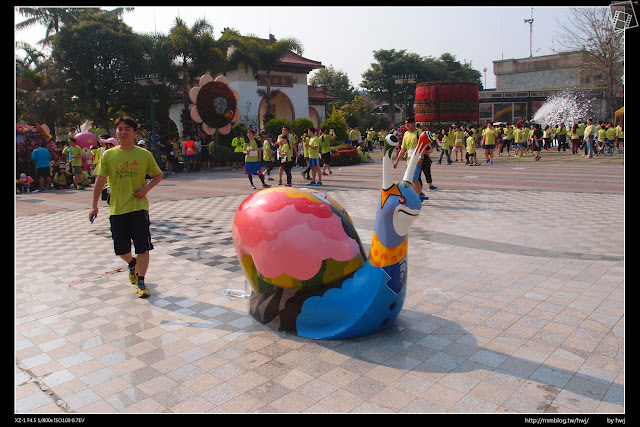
x=371, y=297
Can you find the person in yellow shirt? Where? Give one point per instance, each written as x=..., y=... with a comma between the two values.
x=517, y=136
x=589, y=138
x=489, y=142
x=575, y=138
x=313, y=146
x=459, y=140
x=381, y=136
x=353, y=136
x=445, y=147
x=620, y=138
x=602, y=136
x=526, y=131
x=238, y=156
x=546, y=137
x=126, y=167
x=410, y=140
x=561, y=136
x=472, y=158
x=507, y=138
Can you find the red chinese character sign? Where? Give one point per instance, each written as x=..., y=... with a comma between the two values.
x=216, y=104
x=446, y=102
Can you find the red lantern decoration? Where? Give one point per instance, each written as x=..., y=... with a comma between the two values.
x=446, y=102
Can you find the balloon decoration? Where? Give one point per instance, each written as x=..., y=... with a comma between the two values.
x=86, y=141
x=216, y=104
x=443, y=102
x=308, y=272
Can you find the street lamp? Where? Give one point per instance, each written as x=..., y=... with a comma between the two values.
x=150, y=80
x=485, y=77
x=530, y=22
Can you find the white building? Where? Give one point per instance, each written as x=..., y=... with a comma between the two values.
x=295, y=99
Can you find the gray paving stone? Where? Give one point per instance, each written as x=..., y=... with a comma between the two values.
x=493, y=304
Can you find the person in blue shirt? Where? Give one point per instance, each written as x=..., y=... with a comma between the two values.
x=42, y=158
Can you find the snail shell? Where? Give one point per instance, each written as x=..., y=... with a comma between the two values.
x=294, y=238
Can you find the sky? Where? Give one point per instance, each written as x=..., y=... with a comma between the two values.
x=345, y=37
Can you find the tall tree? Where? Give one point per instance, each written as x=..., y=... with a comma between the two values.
x=590, y=29
x=186, y=44
x=96, y=61
x=379, y=79
x=337, y=79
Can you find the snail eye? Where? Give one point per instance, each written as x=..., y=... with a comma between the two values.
x=403, y=201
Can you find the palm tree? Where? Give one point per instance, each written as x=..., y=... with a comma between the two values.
x=255, y=54
x=34, y=57
x=35, y=97
x=189, y=47
x=53, y=18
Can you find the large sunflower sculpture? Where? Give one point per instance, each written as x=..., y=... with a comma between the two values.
x=215, y=104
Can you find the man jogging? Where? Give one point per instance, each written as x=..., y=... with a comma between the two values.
x=126, y=166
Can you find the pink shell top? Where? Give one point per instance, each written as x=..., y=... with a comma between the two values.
x=290, y=231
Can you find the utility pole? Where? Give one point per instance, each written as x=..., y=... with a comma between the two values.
x=530, y=22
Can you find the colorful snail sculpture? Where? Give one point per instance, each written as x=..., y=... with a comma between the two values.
x=308, y=271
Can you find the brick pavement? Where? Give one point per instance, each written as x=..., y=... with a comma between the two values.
x=515, y=303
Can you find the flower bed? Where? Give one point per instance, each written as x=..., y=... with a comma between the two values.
x=27, y=140
x=345, y=157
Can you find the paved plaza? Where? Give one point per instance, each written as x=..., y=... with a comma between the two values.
x=515, y=302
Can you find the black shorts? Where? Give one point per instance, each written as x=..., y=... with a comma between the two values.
x=204, y=155
x=44, y=172
x=132, y=226
x=326, y=159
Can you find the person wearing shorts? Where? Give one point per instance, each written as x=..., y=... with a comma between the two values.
x=189, y=148
x=313, y=147
x=126, y=166
x=537, y=140
x=42, y=158
x=489, y=142
x=410, y=140
x=252, y=165
x=325, y=145
x=238, y=156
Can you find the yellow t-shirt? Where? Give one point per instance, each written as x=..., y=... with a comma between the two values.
x=314, y=147
x=602, y=135
x=126, y=171
x=471, y=145
x=489, y=136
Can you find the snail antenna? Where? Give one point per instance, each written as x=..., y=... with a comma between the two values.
x=390, y=144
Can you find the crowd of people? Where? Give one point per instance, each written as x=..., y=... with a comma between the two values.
x=311, y=151
x=259, y=154
x=458, y=143
x=263, y=155
x=75, y=166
